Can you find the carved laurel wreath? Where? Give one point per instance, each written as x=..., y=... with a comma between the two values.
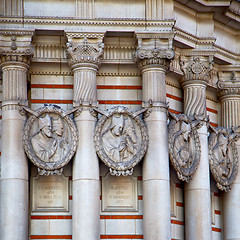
x=175, y=131
x=224, y=182
x=47, y=168
x=121, y=168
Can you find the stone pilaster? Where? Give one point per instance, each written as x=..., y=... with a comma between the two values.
x=197, y=70
x=84, y=59
x=229, y=95
x=14, y=59
x=153, y=62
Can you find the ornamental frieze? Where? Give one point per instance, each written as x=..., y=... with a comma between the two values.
x=50, y=138
x=121, y=139
x=184, y=146
x=223, y=157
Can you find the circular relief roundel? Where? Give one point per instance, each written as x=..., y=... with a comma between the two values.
x=50, y=138
x=121, y=139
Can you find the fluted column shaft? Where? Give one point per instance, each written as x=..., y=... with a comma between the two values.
x=85, y=61
x=230, y=105
x=86, y=185
x=153, y=61
x=194, y=99
x=14, y=164
x=231, y=206
x=85, y=83
x=197, y=197
x=156, y=179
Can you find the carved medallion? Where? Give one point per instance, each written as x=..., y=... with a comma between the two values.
x=223, y=157
x=121, y=140
x=184, y=146
x=50, y=138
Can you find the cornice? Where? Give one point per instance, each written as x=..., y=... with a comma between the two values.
x=105, y=74
x=16, y=32
x=234, y=56
x=77, y=22
x=72, y=34
x=51, y=73
x=193, y=41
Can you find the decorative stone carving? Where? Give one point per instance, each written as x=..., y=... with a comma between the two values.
x=223, y=157
x=121, y=140
x=153, y=56
x=23, y=56
x=184, y=145
x=50, y=138
x=195, y=68
x=84, y=52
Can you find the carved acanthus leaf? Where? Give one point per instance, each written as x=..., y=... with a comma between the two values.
x=184, y=145
x=121, y=139
x=228, y=85
x=154, y=56
x=195, y=68
x=15, y=55
x=223, y=156
x=84, y=52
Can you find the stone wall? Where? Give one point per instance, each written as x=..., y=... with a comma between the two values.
x=201, y=79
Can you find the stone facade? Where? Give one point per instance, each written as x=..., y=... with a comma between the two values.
x=113, y=115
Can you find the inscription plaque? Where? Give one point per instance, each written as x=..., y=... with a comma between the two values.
x=119, y=194
x=50, y=193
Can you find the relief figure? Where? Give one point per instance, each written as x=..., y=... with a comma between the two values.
x=62, y=143
x=43, y=142
x=222, y=156
x=119, y=139
x=183, y=146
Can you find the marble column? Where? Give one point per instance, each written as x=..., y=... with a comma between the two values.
x=230, y=101
x=14, y=164
x=197, y=198
x=153, y=63
x=84, y=61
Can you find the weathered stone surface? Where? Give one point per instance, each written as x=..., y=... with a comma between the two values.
x=184, y=146
x=119, y=194
x=223, y=157
x=50, y=193
x=121, y=140
x=50, y=138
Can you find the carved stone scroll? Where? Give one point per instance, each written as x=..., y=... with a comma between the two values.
x=223, y=157
x=50, y=138
x=121, y=140
x=184, y=146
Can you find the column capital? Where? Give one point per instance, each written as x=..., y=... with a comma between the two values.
x=16, y=47
x=85, y=49
x=196, y=68
x=154, y=49
x=154, y=56
x=229, y=84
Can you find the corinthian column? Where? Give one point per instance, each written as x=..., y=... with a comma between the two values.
x=14, y=60
x=85, y=60
x=197, y=192
x=230, y=101
x=153, y=63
